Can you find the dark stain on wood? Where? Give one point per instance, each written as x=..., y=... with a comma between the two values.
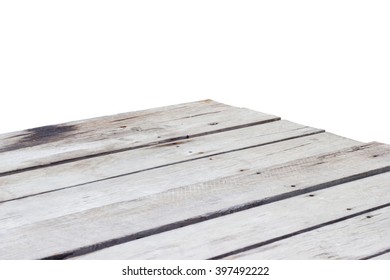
x=16, y=136
x=137, y=129
x=124, y=119
x=39, y=135
x=318, y=163
x=170, y=144
x=351, y=150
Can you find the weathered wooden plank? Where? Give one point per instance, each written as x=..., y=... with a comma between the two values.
x=124, y=221
x=134, y=186
x=355, y=238
x=88, y=138
x=351, y=239
x=98, y=168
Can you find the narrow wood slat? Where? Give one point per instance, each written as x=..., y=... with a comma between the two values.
x=119, y=222
x=354, y=238
x=83, y=171
x=135, y=186
x=88, y=138
x=261, y=224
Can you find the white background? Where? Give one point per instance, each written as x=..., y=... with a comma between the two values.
x=321, y=63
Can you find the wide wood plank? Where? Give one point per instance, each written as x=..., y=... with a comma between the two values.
x=265, y=223
x=108, y=166
x=119, y=222
x=135, y=186
x=56, y=144
x=354, y=238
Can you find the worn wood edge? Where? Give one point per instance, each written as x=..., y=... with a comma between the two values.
x=271, y=220
x=236, y=208
x=297, y=131
x=115, y=117
x=345, y=232
x=120, y=116
x=383, y=255
x=131, y=115
x=78, y=154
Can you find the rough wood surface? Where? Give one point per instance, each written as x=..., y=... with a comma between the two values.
x=56, y=144
x=124, y=221
x=355, y=238
x=136, y=186
x=277, y=220
x=108, y=166
x=194, y=180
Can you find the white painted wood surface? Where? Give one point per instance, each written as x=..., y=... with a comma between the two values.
x=135, y=186
x=98, y=168
x=117, y=220
x=53, y=144
x=355, y=238
x=260, y=224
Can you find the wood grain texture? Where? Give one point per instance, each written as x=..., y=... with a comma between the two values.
x=56, y=144
x=108, y=166
x=119, y=222
x=135, y=186
x=192, y=181
x=355, y=238
x=262, y=224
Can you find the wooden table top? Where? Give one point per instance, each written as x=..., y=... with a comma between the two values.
x=200, y=180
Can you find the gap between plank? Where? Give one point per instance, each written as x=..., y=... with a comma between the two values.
x=223, y=212
x=376, y=254
x=270, y=241
x=170, y=164
x=137, y=147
